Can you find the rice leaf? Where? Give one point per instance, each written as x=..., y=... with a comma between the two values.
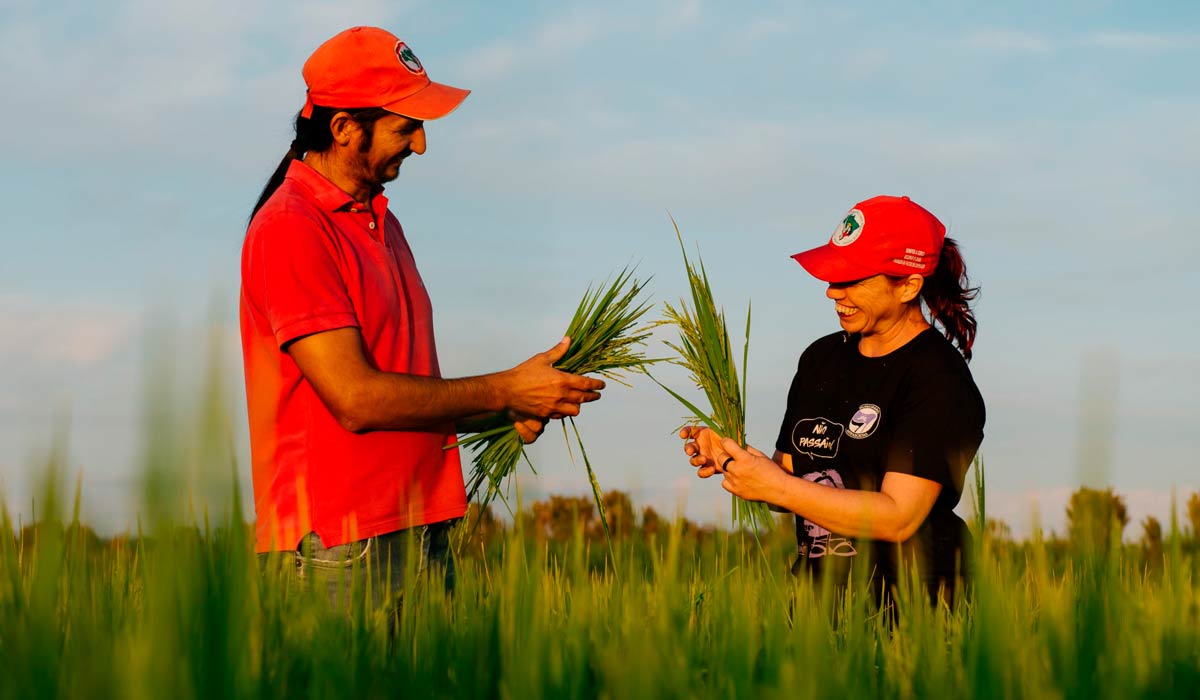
x=704, y=349
x=596, y=492
x=606, y=340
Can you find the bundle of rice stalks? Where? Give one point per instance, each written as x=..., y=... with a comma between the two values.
x=605, y=340
x=704, y=349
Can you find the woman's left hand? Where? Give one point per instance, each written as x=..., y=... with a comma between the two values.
x=702, y=447
x=750, y=474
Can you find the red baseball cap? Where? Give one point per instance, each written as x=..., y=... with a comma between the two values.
x=881, y=235
x=370, y=67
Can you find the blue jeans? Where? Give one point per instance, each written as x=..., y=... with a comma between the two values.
x=374, y=568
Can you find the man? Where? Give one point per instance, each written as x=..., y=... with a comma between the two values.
x=350, y=419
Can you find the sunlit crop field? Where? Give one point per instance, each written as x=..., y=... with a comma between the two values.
x=183, y=612
x=178, y=607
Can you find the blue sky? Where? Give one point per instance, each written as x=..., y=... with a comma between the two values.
x=1058, y=143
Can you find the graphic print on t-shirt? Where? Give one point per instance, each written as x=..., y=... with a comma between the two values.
x=817, y=437
x=821, y=541
x=864, y=421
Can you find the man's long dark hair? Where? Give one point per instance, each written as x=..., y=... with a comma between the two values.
x=948, y=294
x=314, y=136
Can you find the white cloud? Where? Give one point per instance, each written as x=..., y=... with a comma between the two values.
x=569, y=33
x=78, y=333
x=866, y=63
x=324, y=19
x=169, y=76
x=1007, y=41
x=680, y=15
x=490, y=62
x=131, y=75
x=760, y=29
x=695, y=166
x=545, y=44
x=1141, y=41
x=1020, y=42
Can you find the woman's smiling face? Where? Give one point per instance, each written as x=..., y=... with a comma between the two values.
x=870, y=306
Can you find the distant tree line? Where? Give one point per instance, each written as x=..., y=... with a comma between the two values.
x=1096, y=522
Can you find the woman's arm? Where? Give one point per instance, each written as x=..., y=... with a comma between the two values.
x=892, y=514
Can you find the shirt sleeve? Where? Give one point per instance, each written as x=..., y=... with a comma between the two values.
x=294, y=267
x=937, y=431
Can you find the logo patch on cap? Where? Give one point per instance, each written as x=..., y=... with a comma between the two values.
x=408, y=58
x=850, y=228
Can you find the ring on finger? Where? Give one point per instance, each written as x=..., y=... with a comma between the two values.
x=725, y=464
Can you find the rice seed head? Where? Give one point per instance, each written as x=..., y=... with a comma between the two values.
x=705, y=350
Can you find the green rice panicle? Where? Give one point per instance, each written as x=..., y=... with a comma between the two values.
x=705, y=350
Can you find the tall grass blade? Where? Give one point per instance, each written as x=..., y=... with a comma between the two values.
x=704, y=349
x=597, y=494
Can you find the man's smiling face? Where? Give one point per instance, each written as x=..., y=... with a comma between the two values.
x=385, y=145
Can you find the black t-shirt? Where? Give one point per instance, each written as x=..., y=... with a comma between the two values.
x=850, y=419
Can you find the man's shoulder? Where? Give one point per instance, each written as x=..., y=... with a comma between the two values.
x=290, y=209
x=291, y=199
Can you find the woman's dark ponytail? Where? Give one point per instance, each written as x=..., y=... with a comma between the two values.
x=313, y=136
x=948, y=295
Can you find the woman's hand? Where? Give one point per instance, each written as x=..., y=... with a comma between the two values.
x=749, y=474
x=703, y=447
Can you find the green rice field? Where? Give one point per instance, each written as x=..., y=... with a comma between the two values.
x=177, y=608
x=183, y=612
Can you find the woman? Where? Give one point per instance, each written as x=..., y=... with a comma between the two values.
x=883, y=418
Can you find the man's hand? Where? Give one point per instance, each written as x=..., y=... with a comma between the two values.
x=535, y=389
x=528, y=427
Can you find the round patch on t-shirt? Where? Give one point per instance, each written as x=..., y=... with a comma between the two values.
x=864, y=421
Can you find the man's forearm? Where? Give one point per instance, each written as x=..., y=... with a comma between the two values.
x=482, y=422
x=363, y=398
x=391, y=401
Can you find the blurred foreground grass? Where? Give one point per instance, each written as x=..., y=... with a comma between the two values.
x=178, y=609
x=182, y=612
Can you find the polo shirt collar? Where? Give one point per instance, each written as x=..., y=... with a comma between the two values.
x=328, y=195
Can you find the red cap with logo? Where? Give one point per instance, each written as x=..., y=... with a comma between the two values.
x=882, y=235
x=370, y=67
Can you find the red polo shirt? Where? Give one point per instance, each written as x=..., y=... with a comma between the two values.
x=313, y=261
